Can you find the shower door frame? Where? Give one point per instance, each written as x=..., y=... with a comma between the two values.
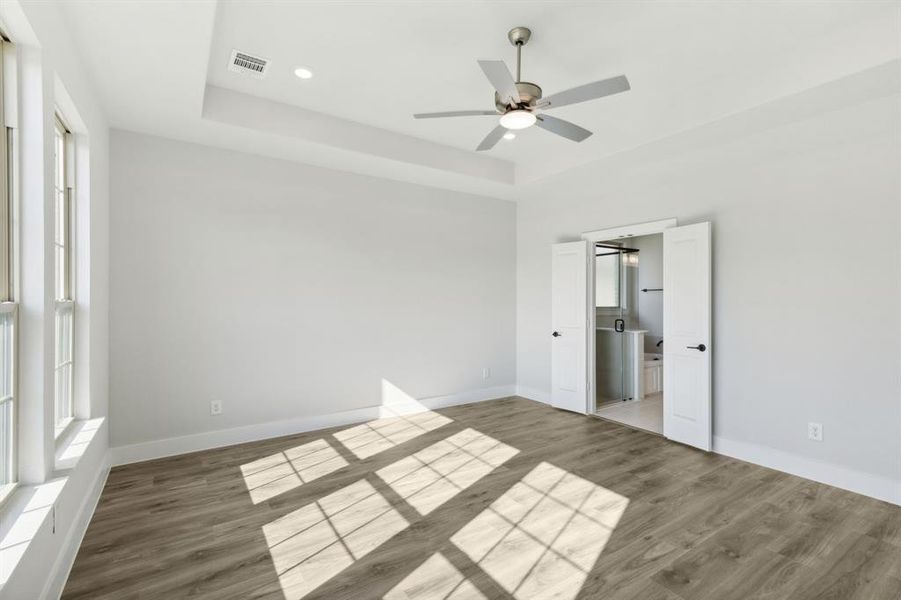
x=617, y=314
x=609, y=235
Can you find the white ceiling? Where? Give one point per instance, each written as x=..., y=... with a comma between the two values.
x=376, y=63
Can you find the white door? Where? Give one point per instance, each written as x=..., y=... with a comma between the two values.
x=572, y=297
x=687, y=411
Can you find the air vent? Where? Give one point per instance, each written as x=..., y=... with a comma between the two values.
x=241, y=62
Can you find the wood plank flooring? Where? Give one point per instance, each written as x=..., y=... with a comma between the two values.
x=507, y=499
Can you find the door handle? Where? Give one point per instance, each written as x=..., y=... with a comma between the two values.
x=556, y=334
x=699, y=347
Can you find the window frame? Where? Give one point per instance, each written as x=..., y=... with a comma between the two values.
x=63, y=292
x=7, y=287
x=9, y=483
x=8, y=280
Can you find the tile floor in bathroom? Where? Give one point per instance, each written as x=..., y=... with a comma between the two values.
x=644, y=414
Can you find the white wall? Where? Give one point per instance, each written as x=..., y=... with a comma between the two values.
x=289, y=291
x=806, y=328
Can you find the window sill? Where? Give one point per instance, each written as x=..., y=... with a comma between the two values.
x=6, y=492
x=23, y=517
x=61, y=428
x=71, y=445
x=29, y=508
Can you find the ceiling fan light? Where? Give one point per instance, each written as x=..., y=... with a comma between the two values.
x=517, y=119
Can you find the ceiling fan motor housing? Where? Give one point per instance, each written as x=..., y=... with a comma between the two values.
x=529, y=94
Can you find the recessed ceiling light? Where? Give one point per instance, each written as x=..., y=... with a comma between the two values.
x=517, y=119
x=303, y=72
x=509, y=135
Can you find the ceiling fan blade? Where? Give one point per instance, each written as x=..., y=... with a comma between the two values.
x=589, y=91
x=492, y=138
x=455, y=113
x=563, y=128
x=499, y=76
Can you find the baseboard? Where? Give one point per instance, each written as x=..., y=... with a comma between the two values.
x=60, y=574
x=868, y=484
x=533, y=394
x=123, y=455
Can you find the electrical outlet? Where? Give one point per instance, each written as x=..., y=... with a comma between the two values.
x=486, y=373
x=815, y=431
x=215, y=407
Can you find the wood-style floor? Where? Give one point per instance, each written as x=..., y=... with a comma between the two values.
x=507, y=499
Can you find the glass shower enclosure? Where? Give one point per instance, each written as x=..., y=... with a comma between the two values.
x=616, y=313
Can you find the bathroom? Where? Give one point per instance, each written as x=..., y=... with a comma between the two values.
x=629, y=331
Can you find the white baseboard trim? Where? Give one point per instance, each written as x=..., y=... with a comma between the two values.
x=533, y=394
x=868, y=484
x=122, y=455
x=66, y=558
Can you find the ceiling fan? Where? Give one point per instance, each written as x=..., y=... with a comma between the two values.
x=518, y=102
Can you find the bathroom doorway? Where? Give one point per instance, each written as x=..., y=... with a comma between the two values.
x=588, y=375
x=629, y=331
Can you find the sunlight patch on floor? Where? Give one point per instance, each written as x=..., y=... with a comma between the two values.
x=543, y=536
x=311, y=545
x=283, y=471
x=434, y=475
x=435, y=579
x=371, y=438
x=403, y=419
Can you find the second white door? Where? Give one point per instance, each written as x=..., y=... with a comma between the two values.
x=687, y=409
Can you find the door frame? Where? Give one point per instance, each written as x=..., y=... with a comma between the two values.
x=606, y=235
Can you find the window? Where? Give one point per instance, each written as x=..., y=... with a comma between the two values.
x=65, y=305
x=8, y=306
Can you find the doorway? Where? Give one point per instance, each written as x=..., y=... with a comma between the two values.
x=629, y=331
x=652, y=373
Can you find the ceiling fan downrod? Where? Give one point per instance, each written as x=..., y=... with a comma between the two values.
x=518, y=62
x=519, y=37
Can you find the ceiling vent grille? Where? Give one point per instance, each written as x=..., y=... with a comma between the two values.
x=241, y=62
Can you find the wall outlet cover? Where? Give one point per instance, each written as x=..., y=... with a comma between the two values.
x=215, y=407
x=815, y=432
